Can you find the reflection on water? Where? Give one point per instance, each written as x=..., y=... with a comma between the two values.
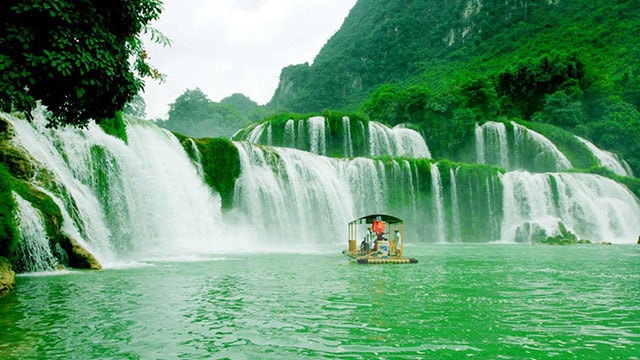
x=485, y=301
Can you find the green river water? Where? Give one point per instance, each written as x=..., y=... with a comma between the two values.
x=460, y=302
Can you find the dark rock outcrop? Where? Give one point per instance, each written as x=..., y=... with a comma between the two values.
x=7, y=277
x=79, y=257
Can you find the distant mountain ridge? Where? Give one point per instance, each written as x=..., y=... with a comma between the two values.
x=404, y=41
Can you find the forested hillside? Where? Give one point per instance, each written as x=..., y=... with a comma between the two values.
x=446, y=65
x=193, y=114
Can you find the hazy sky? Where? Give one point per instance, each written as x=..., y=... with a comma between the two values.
x=236, y=46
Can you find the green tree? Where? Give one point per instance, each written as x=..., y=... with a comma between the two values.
x=562, y=110
x=82, y=59
x=188, y=110
x=480, y=95
x=136, y=107
x=194, y=115
x=619, y=131
x=242, y=103
x=384, y=104
x=8, y=228
x=248, y=109
x=528, y=84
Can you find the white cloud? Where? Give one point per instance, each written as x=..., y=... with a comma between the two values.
x=229, y=46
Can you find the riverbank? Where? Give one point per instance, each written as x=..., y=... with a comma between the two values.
x=7, y=277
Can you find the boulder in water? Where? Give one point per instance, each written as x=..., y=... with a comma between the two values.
x=7, y=277
x=79, y=257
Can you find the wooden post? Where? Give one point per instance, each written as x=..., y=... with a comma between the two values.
x=352, y=247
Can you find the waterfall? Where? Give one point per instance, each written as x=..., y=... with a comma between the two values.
x=593, y=207
x=491, y=144
x=317, y=135
x=607, y=159
x=62, y=156
x=124, y=201
x=147, y=199
x=480, y=149
x=255, y=135
x=289, y=199
x=438, y=206
x=397, y=141
x=197, y=156
x=413, y=197
x=170, y=208
x=457, y=236
x=348, y=142
x=530, y=150
x=302, y=143
x=365, y=178
x=290, y=134
x=536, y=152
x=34, y=250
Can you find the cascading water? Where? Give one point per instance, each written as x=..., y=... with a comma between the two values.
x=147, y=199
x=289, y=134
x=455, y=206
x=170, y=207
x=542, y=154
x=256, y=134
x=531, y=151
x=197, y=157
x=348, y=142
x=607, y=159
x=34, y=250
x=438, y=205
x=592, y=207
x=125, y=201
x=58, y=165
x=397, y=141
x=289, y=199
x=293, y=199
x=491, y=144
x=314, y=135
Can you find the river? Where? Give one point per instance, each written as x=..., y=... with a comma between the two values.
x=484, y=301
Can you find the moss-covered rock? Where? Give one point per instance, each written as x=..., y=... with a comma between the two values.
x=565, y=237
x=8, y=160
x=18, y=162
x=115, y=127
x=220, y=162
x=7, y=277
x=79, y=257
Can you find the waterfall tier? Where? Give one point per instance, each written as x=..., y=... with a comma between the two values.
x=344, y=138
x=147, y=199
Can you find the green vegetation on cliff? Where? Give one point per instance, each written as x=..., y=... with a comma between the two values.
x=220, y=163
x=81, y=59
x=447, y=65
x=115, y=127
x=8, y=231
x=194, y=115
x=434, y=42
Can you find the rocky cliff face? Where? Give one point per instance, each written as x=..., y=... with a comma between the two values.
x=7, y=277
x=386, y=41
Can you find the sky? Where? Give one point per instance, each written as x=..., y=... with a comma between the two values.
x=235, y=46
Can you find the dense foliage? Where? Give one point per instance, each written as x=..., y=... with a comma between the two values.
x=82, y=59
x=136, y=107
x=275, y=133
x=221, y=166
x=115, y=126
x=8, y=229
x=193, y=114
x=447, y=65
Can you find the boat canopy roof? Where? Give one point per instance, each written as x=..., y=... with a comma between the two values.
x=368, y=219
